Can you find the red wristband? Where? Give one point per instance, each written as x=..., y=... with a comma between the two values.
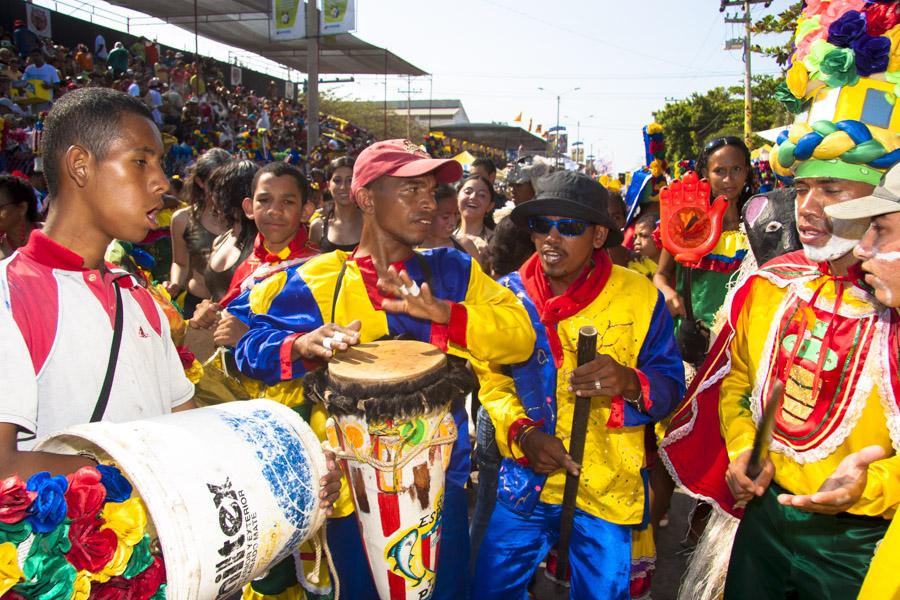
x=515, y=430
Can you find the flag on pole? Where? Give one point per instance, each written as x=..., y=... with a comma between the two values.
x=539, y=127
x=530, y=123
x=518, y=118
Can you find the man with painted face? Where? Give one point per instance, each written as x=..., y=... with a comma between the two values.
x=879, y=251
x=300, y=317
x=636, y=379
x=831, y=476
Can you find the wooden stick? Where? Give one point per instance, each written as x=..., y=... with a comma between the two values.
x=587, y=351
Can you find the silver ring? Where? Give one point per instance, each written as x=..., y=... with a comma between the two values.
x=597, y=385
x=327, y=342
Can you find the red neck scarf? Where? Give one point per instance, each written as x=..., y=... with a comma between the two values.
x=580, y=293
x=297, y=248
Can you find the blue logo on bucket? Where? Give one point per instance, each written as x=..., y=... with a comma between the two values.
x=284, y=463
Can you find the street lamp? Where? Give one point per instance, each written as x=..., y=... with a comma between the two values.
x=578, y=129
x=558, y=96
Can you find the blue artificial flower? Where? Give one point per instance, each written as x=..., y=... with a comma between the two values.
x=846, y=29
x=117, y=487
x=49, y=507
x=872, y=54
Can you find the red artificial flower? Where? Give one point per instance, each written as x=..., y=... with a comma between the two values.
x=14, y=500
x=92, y=547
x=880, y=18
x=187, y=357
x=142, y=586
x=146, y=584
x=86, y=493
x=117, y=588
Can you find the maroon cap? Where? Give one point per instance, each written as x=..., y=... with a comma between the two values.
x=400, y=158
x=19, y=23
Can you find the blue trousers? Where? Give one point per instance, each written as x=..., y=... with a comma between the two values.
x=452, y=578
x=599, y=554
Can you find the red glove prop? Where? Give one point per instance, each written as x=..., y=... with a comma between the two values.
x=690, y=227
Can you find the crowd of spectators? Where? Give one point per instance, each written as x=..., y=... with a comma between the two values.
x=191, y=102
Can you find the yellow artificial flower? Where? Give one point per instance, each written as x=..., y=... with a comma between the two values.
x=893, y=34
x=798, y=79
x=10, y=572
x=127, y=519
x=116, y=566
x=81, y=590
x=195, y=372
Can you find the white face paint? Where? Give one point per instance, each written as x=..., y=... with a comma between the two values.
x=886, y=256
x=836, y=246
x=833, y=249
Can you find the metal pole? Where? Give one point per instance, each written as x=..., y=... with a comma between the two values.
x=312, y=76
x=385, y=93
x=196, y=43
x=556, y=149
x=408, y=103
x=748, y=100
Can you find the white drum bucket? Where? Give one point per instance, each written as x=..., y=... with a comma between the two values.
x=230, y=489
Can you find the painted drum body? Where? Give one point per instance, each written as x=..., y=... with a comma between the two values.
x=399, y=510
x=391, y=424
x=230, y=489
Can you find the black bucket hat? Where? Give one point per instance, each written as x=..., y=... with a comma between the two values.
x=573, y=195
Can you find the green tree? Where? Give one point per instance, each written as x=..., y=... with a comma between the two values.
x=689, y=123
x=783, y=22
x=370, y=116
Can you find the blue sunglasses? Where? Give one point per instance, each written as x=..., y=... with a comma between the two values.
x=565, y=227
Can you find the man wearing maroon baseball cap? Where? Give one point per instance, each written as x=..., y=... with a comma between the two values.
x=300, y=318
x=400, y=158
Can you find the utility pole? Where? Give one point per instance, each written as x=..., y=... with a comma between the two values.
x=312, y=70
x=559, y=95
x=734, y=44
x=409, y=92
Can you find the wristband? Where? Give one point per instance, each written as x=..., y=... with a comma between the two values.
x=517, y=431
x=636, y=402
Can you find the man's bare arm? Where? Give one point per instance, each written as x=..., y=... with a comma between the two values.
x=25, y=463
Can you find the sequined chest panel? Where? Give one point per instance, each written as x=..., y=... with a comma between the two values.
x=822, y=358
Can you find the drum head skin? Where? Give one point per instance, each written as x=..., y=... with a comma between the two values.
x=386, y=362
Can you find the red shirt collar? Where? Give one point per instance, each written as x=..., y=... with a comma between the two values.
x=50, y=253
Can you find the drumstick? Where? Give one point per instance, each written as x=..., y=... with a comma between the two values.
x=587, y=351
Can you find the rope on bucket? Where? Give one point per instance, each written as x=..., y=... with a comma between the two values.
x=320, y=544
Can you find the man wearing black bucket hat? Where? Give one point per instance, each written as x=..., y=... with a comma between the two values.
x=636, y=379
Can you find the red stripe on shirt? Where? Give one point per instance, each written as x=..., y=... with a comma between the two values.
x=34, y=302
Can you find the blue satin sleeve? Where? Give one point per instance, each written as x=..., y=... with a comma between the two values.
x=660, y=361
x=240, y=307
x=259, y=352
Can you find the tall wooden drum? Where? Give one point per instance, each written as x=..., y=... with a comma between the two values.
x=389, y=406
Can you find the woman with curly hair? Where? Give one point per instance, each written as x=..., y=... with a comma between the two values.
x=193, y=230
x=18, y=213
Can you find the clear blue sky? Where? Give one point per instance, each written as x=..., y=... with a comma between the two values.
x=626, y=56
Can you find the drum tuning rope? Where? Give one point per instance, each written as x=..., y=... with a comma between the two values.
x=393, y=465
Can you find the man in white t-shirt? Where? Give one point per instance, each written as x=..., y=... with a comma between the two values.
x=155, y=100
x=58, y=299
x=39, y=69
x=102, y=161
